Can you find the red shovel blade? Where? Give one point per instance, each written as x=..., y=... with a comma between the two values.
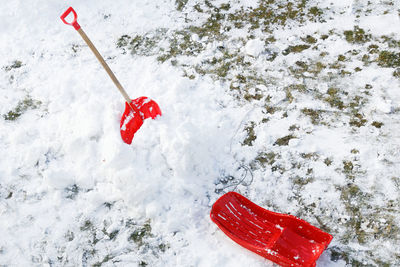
x=281, y=238
x=132, y=120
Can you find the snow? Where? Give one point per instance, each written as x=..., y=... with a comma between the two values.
x=254, y=47
x=68, y=182
x=380, y=24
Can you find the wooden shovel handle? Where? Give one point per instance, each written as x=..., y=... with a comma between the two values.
x=95, y=51
x=104, y=64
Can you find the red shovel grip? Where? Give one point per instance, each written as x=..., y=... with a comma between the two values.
x=74, y=21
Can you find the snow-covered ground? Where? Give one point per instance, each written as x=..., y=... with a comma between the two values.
x=297, y=109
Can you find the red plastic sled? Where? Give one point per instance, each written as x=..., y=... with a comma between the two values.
x=281, y=238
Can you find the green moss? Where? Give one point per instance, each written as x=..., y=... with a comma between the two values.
x=22, y=106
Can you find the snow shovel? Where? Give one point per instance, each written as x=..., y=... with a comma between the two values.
x=281, y=238
x=136, y=110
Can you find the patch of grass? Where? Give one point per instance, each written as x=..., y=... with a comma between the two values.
x=294, y=87
x=388, y=59
x=334, y=99
x=315, y=115
x=341, y=58
x=87, y=225
x=302, y=181
x=284, y=141
x=111, y=235
x=310, y=156
x=339, y=254
x=220, y=20
x=123, y=40
x=22, y=106
x=295, y=49
x=142, y=45
x=294, y=127
x=377, y=124
x=15, y=65
x=348, y=167
x=106, y=259
x=251, y=135
x=141, y=233
x=180, y=4
x=373, y=49
x=69, y=236
x=71, y=191
x=392, y=43
x=396, y=73
x=328, y=161
x=75, y=48
x=266, y=158
x=357, y=120
x=357, y=36
x=309, y=39
x=315, y=12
